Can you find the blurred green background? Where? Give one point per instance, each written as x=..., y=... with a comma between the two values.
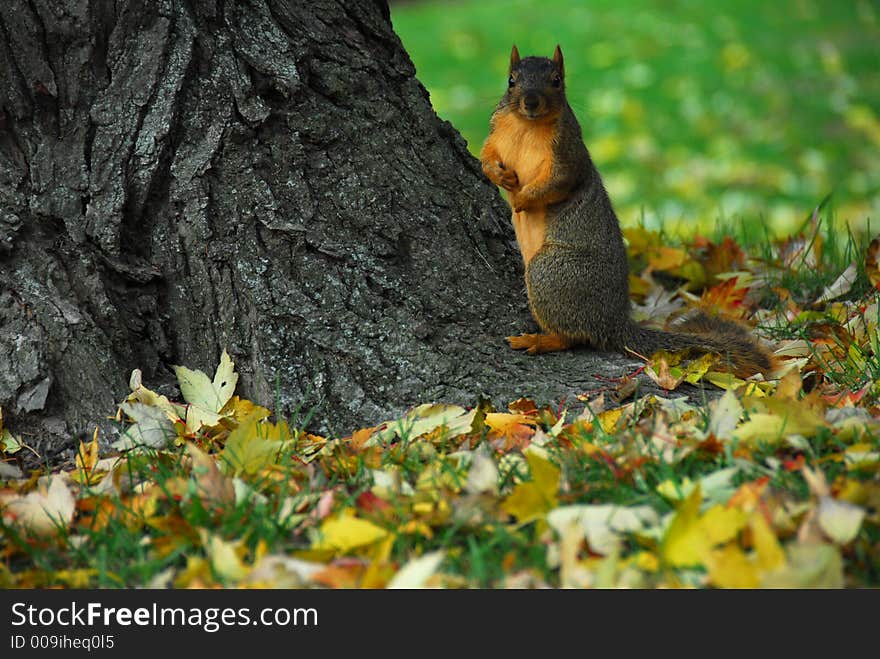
x=692, y=110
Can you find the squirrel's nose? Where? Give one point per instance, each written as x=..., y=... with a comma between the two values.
x=531, y=102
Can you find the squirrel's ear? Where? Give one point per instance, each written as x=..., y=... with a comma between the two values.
x=514, y=57
x=557, y=59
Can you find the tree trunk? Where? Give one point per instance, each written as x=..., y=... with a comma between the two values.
x=265, y=176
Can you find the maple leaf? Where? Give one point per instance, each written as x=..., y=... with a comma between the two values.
x=206, y=397
x=513, y=430
x=783, y=418
x=532, y=499
x=254, y=444
x=719, y=258
x=726, y=298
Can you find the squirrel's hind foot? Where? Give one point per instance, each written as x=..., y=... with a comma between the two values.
x=535, y=344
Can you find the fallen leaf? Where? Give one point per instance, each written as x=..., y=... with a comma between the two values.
x=685, y=543
x=253, y=445
x=769, y=554
x=346, y=533
x=729, y=567
x=206, y=397
x=417, y=571
x=603, y=525
x=808, y=566
x=152, y=427
x=42, y=512
x=725, y=413
x=722, y=523
x=532, y=499
x=224, y=558
x=424, y=419
x=840, y=520
x=662, y=373
x=483, y=473
x=514, y=429
x=213, y=486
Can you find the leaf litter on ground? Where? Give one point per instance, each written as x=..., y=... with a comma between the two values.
x=770, y=482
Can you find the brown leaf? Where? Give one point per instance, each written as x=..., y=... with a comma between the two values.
x=214, y=486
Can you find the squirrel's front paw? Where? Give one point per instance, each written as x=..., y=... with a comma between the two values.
x=500, y=175
x=508, y=178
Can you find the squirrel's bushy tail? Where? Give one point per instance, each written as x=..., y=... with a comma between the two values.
x=704, y=333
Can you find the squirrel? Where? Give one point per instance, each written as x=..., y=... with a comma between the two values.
x=576, y=269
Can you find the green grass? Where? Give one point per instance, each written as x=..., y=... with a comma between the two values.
x=692, y=110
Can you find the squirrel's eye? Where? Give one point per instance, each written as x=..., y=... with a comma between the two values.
x=511, y=82
x=556, y=80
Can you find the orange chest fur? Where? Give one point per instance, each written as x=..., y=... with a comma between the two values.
x=526, y=147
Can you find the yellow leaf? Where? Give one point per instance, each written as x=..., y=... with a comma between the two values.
x=241, y=408
x=532, y=499
x=224, y=558
x=724, y=380
x=697, y=368
x=250, y=446
x=730, y=568
x=721, y=523
x=609, y=418
x=424, y=419
x=666, y=258
x=770, y=554
x=798, y=419
x=685, y=542
x=346, y=533
x=86, y=459
x=675, y=491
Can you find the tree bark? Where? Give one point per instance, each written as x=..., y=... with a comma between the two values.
x=265, y=176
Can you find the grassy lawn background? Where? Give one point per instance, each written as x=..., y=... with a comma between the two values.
x=693, y=111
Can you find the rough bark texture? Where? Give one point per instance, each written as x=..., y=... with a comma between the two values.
x=268, y=176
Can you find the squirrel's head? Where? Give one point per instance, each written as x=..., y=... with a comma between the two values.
x=536, y=86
